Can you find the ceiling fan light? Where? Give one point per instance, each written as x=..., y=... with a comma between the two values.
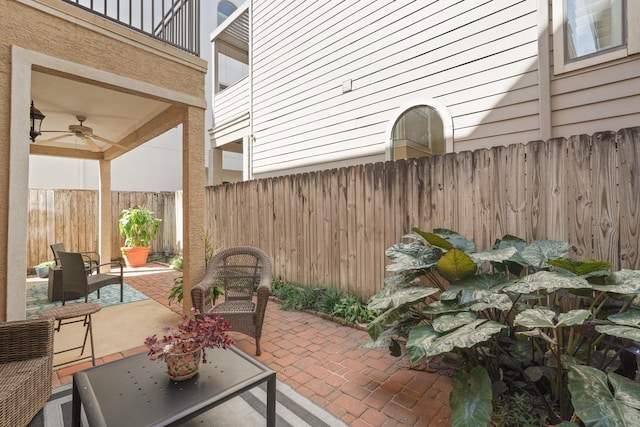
x=36, y=122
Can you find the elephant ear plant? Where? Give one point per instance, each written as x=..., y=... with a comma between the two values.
x=520, y=324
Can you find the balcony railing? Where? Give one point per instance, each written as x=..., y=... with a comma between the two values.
x=176, y=22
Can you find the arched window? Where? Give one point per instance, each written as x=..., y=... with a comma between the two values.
x=419, y=131
x=225, y=9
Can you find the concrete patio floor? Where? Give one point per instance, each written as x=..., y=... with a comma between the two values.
x=320, y=359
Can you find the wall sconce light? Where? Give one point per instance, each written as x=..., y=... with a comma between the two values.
x=36, y=122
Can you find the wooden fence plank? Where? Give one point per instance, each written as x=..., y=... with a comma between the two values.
x=514, y=180
x=605, y=215
x=580, y=200
x=628, y=141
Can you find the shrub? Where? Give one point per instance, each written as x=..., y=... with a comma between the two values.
x=521, y=319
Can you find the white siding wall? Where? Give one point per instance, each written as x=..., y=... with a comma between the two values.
x=477, y=57
x=600, y=98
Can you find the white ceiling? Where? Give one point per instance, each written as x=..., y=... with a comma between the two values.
x=111, y=114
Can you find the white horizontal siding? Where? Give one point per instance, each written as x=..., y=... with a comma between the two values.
x=597, y=99
x=393, y=52
x=231, y=103
x=473, y=56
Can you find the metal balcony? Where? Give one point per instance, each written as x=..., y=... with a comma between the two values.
x=176, y=22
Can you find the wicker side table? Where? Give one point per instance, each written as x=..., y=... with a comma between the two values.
x=65, y=315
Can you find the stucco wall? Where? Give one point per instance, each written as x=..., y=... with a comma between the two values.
x=27, y=25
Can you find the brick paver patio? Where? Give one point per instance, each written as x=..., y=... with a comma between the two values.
x=320, y=359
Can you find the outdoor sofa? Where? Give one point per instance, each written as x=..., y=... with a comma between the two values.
x=26, y=368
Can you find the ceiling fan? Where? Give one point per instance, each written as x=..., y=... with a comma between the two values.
x=83, y=132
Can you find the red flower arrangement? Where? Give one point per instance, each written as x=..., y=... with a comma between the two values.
x=203, y=331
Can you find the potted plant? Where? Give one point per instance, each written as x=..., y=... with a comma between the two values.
x=184, y=347
x=139, y=227
x=42, y=269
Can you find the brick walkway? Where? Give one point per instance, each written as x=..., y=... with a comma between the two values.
x=320, y=359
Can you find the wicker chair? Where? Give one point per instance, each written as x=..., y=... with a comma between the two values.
x=239, y=272
x=26, y=368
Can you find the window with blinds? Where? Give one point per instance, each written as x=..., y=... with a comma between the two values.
x=593, y=26
x=418, y=132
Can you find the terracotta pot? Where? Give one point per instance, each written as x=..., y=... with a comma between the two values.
x=135, y=257
x=182, y=366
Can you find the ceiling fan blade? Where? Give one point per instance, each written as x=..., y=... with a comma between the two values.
x=55, y=138
x=92, y=145
x=106, y=141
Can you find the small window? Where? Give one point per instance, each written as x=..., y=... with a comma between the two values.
x=593, y=26
x=591, y=32
x=225, y=9
x=418, y=132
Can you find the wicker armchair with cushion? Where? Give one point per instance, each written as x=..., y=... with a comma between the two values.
x=238, y=272
x=26, y=367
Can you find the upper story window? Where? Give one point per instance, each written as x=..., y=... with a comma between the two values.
x=225, y=9
x=590, y=32
x=421, y=130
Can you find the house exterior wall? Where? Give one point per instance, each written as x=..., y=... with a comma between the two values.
x=38, y=26
x=488, y=64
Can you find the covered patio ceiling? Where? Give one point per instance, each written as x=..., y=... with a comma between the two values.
x=115, y=114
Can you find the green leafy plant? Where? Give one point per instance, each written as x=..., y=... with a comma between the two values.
x=519, y=318
x=176, y=292
x=45, y=264
x=138, y=226
x=329, y=299
x=353, y=310
x=176, y=262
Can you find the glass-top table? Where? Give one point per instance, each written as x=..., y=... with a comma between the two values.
x=135, y=391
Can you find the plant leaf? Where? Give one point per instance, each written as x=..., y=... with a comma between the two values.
x=628, y=318
x=620, y=331
x=493, y=282
x=400, y=297
x=448, y=322
x=471, y=398
x=549, y=281
x=443, y=307
x=487, y=299
x=594, y=402
x=456, y=265
x=376, y=327
x=434, y=240
x=539, y=317
x=411, y=256
x=495, y=255
x=457, y=240
x=542, y=317
x=537, y=253
x=464, y=337
x=573, y=317
x=621, y=282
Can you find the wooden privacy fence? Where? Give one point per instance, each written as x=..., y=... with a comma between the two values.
x=71, y=217
x=331, y=228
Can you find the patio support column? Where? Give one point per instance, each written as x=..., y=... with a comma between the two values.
x=105, y=222
x=193, y=189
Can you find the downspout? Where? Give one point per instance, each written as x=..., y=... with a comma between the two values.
x=544, y=71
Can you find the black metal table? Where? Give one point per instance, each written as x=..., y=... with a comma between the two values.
x=135, y=391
